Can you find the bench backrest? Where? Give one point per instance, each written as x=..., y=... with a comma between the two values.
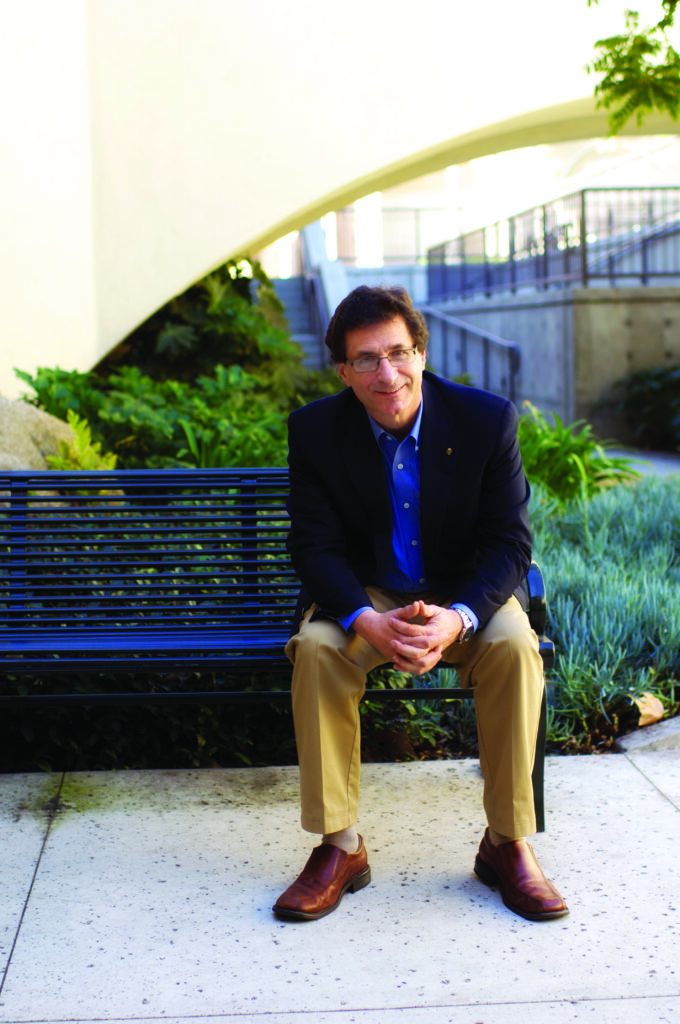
x=169, y=547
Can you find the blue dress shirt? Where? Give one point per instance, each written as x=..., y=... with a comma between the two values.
x=400, y=563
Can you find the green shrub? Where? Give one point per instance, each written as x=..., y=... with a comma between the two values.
x=568, y=461
x=208, y=380
x=159, y=424
x=82, y=453
x=612, y=570
x=228, y=418
x=232, y=316
x=650, y=403
x=398, y=730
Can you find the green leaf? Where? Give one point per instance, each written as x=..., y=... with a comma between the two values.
x=640, y=70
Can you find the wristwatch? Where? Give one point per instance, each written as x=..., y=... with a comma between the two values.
x=468, y=628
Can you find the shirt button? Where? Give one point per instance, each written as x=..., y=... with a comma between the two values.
x=400, y=465
x=406, y=505
x=414, y=543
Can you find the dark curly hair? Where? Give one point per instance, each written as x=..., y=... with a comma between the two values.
x=366, y=306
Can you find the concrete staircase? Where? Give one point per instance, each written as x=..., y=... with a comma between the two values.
x=291, y=292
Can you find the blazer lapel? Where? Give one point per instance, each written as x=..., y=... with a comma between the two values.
x=440, y=440
x=364, y=465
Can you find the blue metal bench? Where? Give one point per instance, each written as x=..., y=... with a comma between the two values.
x=156, y=571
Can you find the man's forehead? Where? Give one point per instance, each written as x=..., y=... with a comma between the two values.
x=386, y=335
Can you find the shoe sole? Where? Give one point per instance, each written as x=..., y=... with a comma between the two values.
x=358, y=882
x=485, y=873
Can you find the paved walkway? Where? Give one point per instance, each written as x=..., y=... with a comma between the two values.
x=146, y=896
x=658, y=463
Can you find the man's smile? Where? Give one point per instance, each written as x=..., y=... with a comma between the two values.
x=390, y=394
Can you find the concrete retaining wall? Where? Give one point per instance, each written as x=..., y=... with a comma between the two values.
x=576, y=343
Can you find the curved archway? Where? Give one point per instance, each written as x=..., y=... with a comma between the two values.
x=153, y=139
x=578, y=119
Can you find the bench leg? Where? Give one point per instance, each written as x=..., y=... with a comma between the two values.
x=538, y=774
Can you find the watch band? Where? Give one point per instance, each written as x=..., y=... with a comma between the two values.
x=468, y=628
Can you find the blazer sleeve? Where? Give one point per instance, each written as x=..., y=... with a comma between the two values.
x=501, y=530
x=319, y=537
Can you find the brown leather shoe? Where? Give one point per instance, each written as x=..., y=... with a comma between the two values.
x=513, y=869
x=328, y=874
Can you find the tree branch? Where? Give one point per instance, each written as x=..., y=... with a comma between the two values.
x=640, y=69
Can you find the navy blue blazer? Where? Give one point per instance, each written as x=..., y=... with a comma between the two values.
x=475, y=535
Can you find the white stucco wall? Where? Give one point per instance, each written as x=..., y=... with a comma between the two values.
x=145, y=141
x=47, y=282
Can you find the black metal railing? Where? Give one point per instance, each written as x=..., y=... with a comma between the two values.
x=608, y=236
x=457, y=348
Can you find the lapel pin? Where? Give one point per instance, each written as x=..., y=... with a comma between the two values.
x=448, y=451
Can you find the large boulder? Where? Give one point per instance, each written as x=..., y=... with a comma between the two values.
x=28, y=436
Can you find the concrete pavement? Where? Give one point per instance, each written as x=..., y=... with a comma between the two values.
x=146, y=896
x=650, y=463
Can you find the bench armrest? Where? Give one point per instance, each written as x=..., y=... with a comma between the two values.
x=538, y=607
x=538, y=613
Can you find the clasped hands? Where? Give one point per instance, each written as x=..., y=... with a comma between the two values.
x=414, y=647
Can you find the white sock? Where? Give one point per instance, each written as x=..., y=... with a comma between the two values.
x=346, y=838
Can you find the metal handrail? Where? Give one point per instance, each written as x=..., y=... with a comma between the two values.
x=596, y=234
x=463, y=331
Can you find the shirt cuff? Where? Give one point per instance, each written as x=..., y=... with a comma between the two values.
x=347, y=620
x=469, y=612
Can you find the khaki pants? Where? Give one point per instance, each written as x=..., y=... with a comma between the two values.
x=501, y=662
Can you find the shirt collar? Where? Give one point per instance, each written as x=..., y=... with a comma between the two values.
x=414, y=431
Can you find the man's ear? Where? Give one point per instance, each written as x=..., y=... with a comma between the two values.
x=341, y=369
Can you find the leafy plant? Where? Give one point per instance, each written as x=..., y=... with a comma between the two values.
x=612, y=569
x=82, y=453
x=640, y=69
x=57, y=391
x=232, y=316
x=169, y=423
x=397, y=730
x=650, y=402
x=567, y=460
x=208, y=380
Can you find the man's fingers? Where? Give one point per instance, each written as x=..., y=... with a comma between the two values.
x=410, y=650
x=428, y=611
x=406, y=628
x=406, y=613
x=418, y=666
x=409, y=658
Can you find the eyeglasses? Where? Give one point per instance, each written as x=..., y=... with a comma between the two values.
x=367, y=364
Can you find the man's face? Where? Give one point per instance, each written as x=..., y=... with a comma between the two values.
x=391, y=394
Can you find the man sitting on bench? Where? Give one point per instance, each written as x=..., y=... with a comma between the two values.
x=410, y=534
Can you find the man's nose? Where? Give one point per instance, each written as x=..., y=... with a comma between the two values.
x=385, y=370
